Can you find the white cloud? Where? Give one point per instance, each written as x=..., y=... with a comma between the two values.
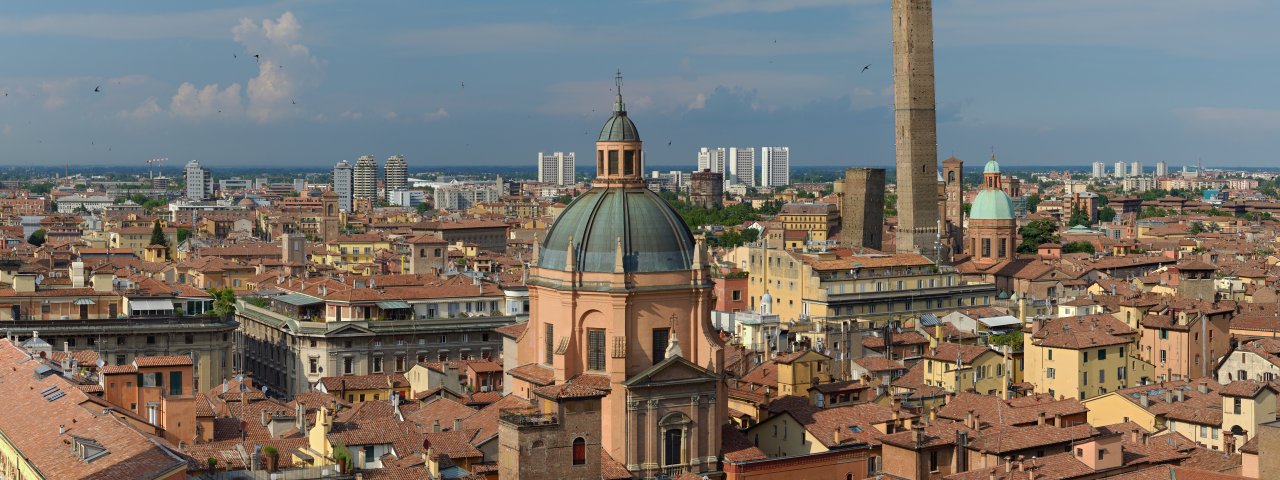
x=148, y=108
x=350, y=115
x=439, y=114
x=390, y=115
x=7, y=130
x=285, y=66
x=192, y=102
x=707, y=8
x=57, y=91
x=199, y=24
x=699, y=102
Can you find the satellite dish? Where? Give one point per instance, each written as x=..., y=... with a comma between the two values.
x=100, y=363
x=264, y=390
x=239, y=378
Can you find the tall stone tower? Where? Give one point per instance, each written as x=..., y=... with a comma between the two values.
x=862, y=208
x=953, y=206
x=916, y=128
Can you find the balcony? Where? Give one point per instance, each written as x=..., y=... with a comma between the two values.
x=528, y=418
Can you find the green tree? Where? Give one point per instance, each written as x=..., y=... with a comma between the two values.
x=1033, y=201
x=183, y=234
x=1106, y=214
x=1196, y=228
x=1078, y=217
x=1078, y=247
x=157, y=235
x=224, y=301
x=890, y=205
x=1036, y=233
x=41, y=188
x=37, y=237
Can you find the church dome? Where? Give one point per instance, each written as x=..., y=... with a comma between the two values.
x=619, y=127
x=991, y=205
x=992, y=166
x=654, y=238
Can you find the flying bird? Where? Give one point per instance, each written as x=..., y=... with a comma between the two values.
x=668, y=143
x=257, y=58
x=98, y=89
x=464, y=84
x=234, y=56
x=864, y=69
x=295, y=102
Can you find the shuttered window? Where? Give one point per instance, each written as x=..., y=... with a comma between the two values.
x=595, y=349
x=660, y=336
x=550, y=344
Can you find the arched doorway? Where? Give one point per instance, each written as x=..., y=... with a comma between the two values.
x=675, y=439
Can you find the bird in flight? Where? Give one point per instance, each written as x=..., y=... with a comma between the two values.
x=295, y=102
x=234, y=56
x=864, y=69
x=257, y=57
x=464, y=84
x=668, y=143
x=98, y=89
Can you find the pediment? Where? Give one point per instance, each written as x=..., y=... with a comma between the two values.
x=669, y=371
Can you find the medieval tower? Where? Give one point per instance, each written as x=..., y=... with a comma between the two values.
x=915, y=127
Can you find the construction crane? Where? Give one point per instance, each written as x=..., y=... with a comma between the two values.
x=155, y=163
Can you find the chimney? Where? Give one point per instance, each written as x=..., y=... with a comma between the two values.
x=1008, y=464
x=457, y=424
x=435, y=426
x=968, y=420
x=1022, y=464
x=1168, y=396
x=1203, y=387
x=266, y=418
x=300, y=417
x=1144, y=401
x=835, y=436
x=1179, y=396
x=62, y=429
x=1135, y=436
x=1057, y=420
x=1040, y=418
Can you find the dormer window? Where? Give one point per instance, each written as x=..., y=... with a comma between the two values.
x=87, y=449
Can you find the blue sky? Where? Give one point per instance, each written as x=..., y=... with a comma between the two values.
x=1043, y=82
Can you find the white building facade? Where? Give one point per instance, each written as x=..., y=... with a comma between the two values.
x=199, y=181
x=1099, y=169
x=343, y=184
x=396, y=173
x=775, y=166
x=556, y=168
x=742, y=166
x=713, y=159
x=365, y=178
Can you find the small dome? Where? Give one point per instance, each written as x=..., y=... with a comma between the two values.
x=619, y=128
x=654, y=237
x=992, y=166
x=992, y=205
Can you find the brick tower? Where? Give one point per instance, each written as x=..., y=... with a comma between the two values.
x=916, y=129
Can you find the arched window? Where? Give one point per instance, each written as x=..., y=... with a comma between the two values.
x=673, y=447
x=579, y=451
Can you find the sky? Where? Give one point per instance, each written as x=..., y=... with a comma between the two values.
x=306, y=84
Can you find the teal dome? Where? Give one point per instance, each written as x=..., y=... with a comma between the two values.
x=619, y=127
x=991, y=205
x=992, y=166
x=654, y=237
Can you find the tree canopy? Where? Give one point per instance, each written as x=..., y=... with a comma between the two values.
x=157, y=235
x=37, y=237
x=1079, y=247
x=1036, y=233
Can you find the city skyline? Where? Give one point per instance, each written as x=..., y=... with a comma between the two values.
x=728, y=73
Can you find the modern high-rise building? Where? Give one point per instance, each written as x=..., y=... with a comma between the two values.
x=916, y=135
x=1120, y=170
x=1162, y=168
x=199, y=181
x=742, y=166
x=775, y=166
x=343, y=184
x=556, y=168
x=712, y=159
x=1099, y=169
x=1135, y=169
x=396, y=174
x=365, y=179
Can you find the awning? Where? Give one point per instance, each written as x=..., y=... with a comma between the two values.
x=84, y=301
x=298, y=299
x=139, y=305
x=392, y=305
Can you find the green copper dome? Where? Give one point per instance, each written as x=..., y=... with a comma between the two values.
x=991, y=205
x=619, y=127
x=992, y=166
x=654, y=238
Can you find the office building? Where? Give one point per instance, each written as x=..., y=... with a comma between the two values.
x=1120, y=170
x=712, y=159
x=742, y=166
x=365, y=180
x=775, y=166
x=1099, y=169
x=343, y=184
x=556, y=168
x=461, y=196
x=199, y=181
x=1135, y=169
x=396, y=174
x=406, y=198
x=916, y=132
x=1162, y=168
x=862, y=208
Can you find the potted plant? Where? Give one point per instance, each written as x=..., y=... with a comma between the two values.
x=213, y=464
x=273, y=458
